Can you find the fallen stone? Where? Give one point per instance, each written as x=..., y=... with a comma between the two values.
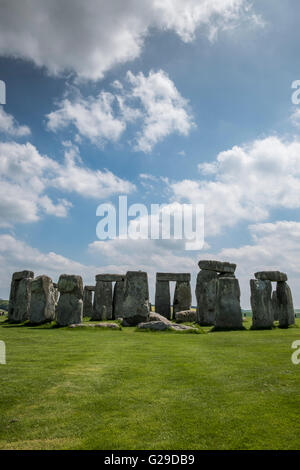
x=186, y=316
x=113, y=326
x=20, y=295
x=228, y=311
x=286, y=312
x=70, y=305
x=154, y=316
x=182, y=327
x=218, y=266
x=273, y=276
x=163, y=298
x=136, y=298
x=261, y=304
x=206, y=295
x=43, y=300
x=153, y=325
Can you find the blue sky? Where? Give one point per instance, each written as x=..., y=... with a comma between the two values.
x=167, y=102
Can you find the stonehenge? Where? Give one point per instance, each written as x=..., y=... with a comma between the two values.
x=43, y=300
x=19, y=298
x=70, y=305
x=261, y=304
x=207, y=288
x=280, y=302
x=126, y=297
x=182, y=296
x=228, y=308
x=136, y=306
x=108, y=303
x=88, y=301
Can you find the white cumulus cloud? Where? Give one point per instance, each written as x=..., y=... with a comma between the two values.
x=90, y=37
x=9, y=126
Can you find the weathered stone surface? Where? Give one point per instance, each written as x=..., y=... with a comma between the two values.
x=87, y=302
x=90, y=288
x=218, y=266
x=136, y=298
x=188, y=316
x=163, y=298
x=112, y=326
x=43, y=300
x=275, y=306
x=118, y=299
x=154, y=325
x=261, y=304
x=206, y=294
x=70, y=305
x=163, y=326
x=102, y=309
x=154, y=316
x=228, y=311
x=286, y=312
x=110, y=277
x=19, y=298
x=182, y=297
x=273, y=276
x=184, y=277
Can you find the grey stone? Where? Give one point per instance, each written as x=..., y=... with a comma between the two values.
x=261, y=304
x=43, y=300
x=154, y=316
x=184, y=277
x=153, y=325
x=102, y=309
x=20, y=295
x=275, y=306
x=136, y=298
x=90, y=288
x=228, y=311
x=218, y=266
x=286, y=312
x=182, y=297
x=188, y=316
x=206, y=294
x=70, y=305
x=162, y=298
x=112, y=326
x=273, y=276
x=110, y=277
x=87, y=302
x=118, y=299
x=182, y=327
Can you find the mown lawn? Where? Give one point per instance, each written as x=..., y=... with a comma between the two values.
x=94, y=389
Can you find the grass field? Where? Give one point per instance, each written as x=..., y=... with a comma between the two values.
x=102, y=389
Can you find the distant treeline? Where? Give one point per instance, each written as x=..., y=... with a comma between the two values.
x=3, y=304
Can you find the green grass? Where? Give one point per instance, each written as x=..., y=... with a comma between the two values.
x=102, y=389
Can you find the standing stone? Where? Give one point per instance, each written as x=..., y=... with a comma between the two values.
x=228, y=311
x=19, y=298
x=102, y=301
x=88, y=301
x=163, y=298
x=136, y=298
x=118, y=299
x=275, y=306
x=70, y=304
x=286, y=311
x=206, y=294
x=43, y=300
x=261, y=304
x=182, y=297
